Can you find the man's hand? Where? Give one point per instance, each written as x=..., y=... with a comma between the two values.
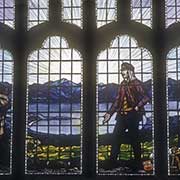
x=136, y=108
x=107, y=117
x=3, y=100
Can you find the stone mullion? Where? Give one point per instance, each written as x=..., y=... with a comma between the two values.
x=20, y=80
x=89, y=89
x=159, y=66
x=123, y=11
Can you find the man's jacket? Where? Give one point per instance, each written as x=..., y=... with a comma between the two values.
x=135, y=96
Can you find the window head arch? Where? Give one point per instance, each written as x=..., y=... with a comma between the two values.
x=54, y=109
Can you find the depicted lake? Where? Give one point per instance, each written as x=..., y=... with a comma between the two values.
x=67, y=118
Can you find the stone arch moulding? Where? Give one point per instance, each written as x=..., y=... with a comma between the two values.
x=70, y=32
x=142, y=34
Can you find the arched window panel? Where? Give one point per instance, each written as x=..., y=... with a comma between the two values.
x=106, y=12
x=7, y=12
x=38, y=12
x=173, y=109
x=141, y=11
x=172, y=12
x=72, y=11
x=54, y=109
x=6, y=111
x=125, y=144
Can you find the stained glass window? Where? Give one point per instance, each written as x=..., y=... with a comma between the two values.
x=38, y=12
x=172, y=12
x=72, y=12
x=6, y=108
x=54, y=109
x=141, y=11
x=106, y=12
x=173, y=85
x=121, y=146
x=7, y=12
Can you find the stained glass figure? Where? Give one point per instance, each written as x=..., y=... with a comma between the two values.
x=125, y=143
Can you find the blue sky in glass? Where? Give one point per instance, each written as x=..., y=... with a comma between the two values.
x=172, y=12
x=7, y=12
x=57, y=59
x=123, y=49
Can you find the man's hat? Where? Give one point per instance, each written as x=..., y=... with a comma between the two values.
x=127, y=66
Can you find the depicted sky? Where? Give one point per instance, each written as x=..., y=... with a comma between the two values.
x=123, y=49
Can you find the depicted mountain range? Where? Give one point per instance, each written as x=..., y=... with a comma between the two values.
x=66, y=91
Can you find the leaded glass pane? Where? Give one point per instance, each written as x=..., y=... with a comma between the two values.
x=54, y=109
x=106, y=12
x=7, y=12
x=141, y=11
x=72, y=12
x=173, y=107
x=37, y=12
x=172, y=12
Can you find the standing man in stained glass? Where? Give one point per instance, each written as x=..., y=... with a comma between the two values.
x=129, y=105
x=4, y=105
x=4, y=140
